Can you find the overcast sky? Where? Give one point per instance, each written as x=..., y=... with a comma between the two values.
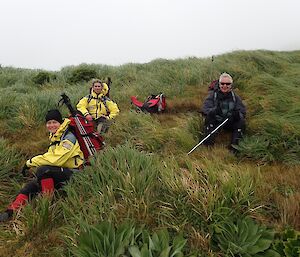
x=50, y=34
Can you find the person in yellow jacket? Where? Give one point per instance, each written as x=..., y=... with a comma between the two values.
x=55, y=167
x=98, y=107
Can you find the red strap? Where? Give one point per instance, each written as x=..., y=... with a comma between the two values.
x=47, y=185
x=153, y=102
x=20, y=200
x=136, y=102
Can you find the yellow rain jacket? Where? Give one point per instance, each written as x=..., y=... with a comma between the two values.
x=98, y=105
x=64, y=150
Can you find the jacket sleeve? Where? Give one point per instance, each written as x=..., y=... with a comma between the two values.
x=240, y=106
x=208, y=104
x=57, y=155
x=82, y=106
x=113, y=109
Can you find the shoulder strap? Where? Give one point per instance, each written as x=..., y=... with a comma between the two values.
x=215, y=97
x=233, y=97
x=68, y=135
x=104, y=99
x=89, y=97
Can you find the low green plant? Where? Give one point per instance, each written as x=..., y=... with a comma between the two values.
x=105, y=239
x=243, y=237
x=158, y=245
x=287, y=243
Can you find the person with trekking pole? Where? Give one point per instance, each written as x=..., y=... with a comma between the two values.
x=53, y=168
x=223, y=104
x=97, y=107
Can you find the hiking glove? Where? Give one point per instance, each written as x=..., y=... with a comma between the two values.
x=24, y=170
x=215, y=111
x=236, y=115
x=212, y=113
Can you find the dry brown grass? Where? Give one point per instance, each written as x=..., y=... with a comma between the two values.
x=33, y=248
x=200, y=241
x=192, y=100
x=29, y=141
x=280, y=190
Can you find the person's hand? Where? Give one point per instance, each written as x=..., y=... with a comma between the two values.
x=212, y=112
x=89, y=117
x=25, y=170
x=236, y=115
x=215, y=111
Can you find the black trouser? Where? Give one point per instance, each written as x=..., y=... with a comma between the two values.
x=59, y=175
x=237, y=127
x=102, y=126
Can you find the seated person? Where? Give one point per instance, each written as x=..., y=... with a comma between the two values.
x=223, y=103
x=98, y=107
x=54, y=168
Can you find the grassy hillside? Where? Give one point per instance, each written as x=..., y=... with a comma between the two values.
x=144, y=195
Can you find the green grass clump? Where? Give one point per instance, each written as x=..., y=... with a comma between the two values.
x=9, y=160
x=121, y=183
x=82, y=73
x=43, y=77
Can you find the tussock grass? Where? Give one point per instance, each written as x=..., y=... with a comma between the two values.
x=9, y=163
x=145, y=175
x=123, y=186
x=9, y=158
x=279, y=190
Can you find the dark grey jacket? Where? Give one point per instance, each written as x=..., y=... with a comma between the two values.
x=216, y=99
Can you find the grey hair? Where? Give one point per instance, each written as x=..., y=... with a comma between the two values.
x=225, y=75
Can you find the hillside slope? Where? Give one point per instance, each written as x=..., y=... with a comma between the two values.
x=145, y=177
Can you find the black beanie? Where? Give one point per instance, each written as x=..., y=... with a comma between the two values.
x=54, y=115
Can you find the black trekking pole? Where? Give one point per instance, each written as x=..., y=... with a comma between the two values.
x=211, y=68
x=109, y=82
x=208, y=135
x=66, y=100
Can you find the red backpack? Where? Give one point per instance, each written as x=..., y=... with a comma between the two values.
x=90, y=141
x=213, y=85
x=153, y=104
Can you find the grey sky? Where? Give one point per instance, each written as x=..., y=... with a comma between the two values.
x=50, y=34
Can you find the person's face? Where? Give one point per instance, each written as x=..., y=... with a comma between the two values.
x=52, y=126
x=97, y=87
x=225, y=85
